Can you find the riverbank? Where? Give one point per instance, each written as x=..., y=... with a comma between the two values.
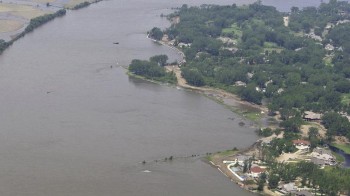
x=17, y=16
x=250, y=111
x=224, y=161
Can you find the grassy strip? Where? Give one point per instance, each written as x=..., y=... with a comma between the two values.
x=160, y=80
x=339, y=158
x=228, y=152
x=343, y=147
x=225, y=153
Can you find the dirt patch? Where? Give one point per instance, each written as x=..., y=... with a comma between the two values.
x=292, y=157
x=216, y=93
x=305, y=129
x=341, y=140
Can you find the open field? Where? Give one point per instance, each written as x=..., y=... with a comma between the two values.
x=23, y=11
x=10, y=25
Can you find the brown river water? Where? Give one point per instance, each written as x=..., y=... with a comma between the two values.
x=70, y=125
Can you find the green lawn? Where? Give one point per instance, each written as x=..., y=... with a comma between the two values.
x=225, y=153
x=343, y=147
x=228, y=152
x=328, y=61
x=339, y=158
x=253, y=116
x=233, y=29
x=345, y=100
x=270, y=46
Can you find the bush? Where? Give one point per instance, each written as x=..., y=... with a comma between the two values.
x=265, y=132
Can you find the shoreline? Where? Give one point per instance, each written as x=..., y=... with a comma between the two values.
x=220, y=160
x=235, y=104
x=50, y=12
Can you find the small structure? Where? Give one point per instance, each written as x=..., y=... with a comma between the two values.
x=312, y=116
x=280, y=90
x=342, y=22
x=301, y=144
x=329, y=47
x=289, y=187
x=184, y=45
x=255, y=171
x=240, y=83
x=241, y=158
x=250, y=75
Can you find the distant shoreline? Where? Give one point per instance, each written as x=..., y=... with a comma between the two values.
x=41, y=19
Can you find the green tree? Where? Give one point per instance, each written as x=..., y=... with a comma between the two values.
x=156, y=33
x=273, y=181
x=261, y=181
x=159, y=59
x=250, y=94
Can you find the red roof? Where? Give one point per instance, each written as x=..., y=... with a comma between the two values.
x=301, y=142
x=256, y=169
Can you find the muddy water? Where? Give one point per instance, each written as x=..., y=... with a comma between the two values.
x=73, y=123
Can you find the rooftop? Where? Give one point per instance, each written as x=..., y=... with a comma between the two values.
x=301, y=142
x=256, y=169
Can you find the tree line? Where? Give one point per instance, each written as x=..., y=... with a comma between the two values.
x=34, y=23
x=152, y=69
x=270, y=60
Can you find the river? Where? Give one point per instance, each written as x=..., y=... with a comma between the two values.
x=72, y=125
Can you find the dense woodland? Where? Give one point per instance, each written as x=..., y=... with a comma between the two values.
x=152, y=69
x=300, y=66
x=293, y=62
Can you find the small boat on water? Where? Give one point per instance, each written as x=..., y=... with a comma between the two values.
x=116, y=43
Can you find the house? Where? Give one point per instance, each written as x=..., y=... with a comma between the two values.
x=250, y=75
x=240, y=83
x=312, y=116
x=241, y=158
x=301, y=144
x=280, y=90
x=255, y=171
x=329, y=47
